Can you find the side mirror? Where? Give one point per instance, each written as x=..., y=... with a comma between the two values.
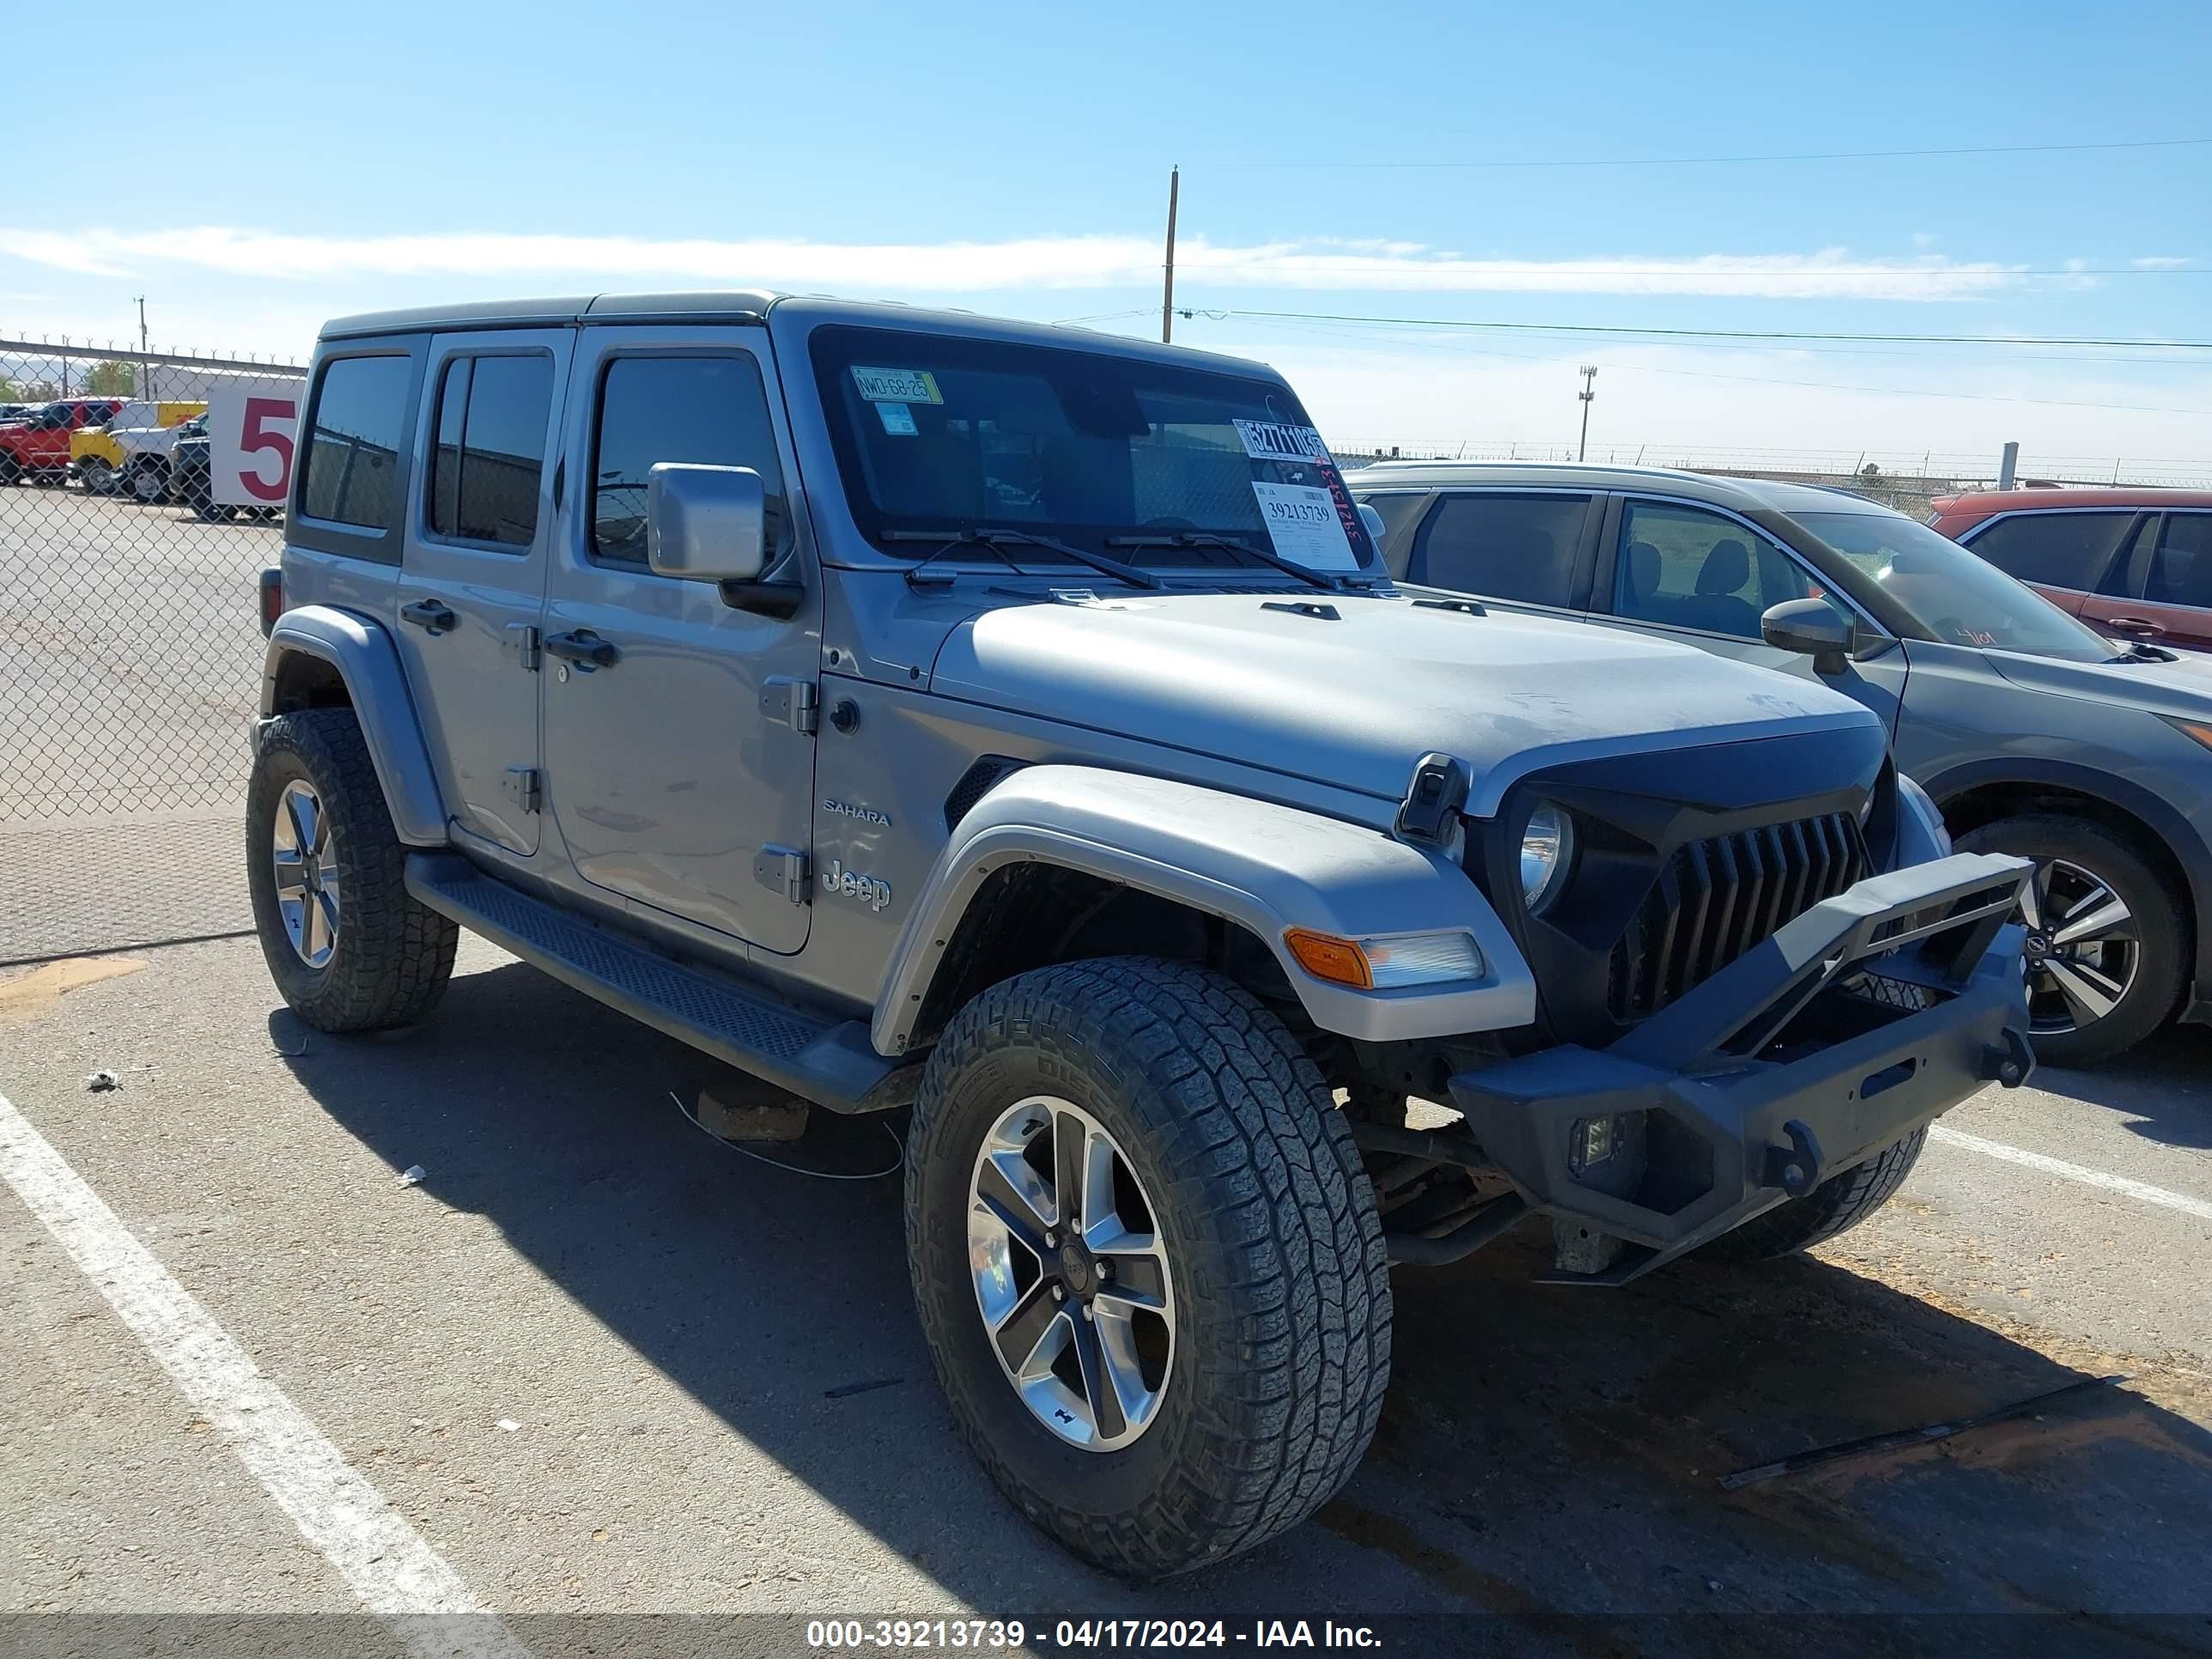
x=1814, y=628
x=706, y=524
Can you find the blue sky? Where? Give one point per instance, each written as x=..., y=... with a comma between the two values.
x=1013, y=159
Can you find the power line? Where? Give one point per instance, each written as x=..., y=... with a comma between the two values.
x=1695, y=274
x=1820, y=386
x=1705, y=333
x=1308, y=163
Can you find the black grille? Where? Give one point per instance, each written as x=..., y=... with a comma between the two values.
x=1715, y=899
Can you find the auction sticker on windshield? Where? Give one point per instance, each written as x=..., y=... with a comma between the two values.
x=897, y=386
x=1272, y=440
x=1304, y=524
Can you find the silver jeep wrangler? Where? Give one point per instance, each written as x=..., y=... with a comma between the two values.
x=1015, y=726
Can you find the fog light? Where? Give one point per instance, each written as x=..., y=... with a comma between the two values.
x=1592, y=1141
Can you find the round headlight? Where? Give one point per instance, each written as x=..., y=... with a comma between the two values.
x=1547, y=846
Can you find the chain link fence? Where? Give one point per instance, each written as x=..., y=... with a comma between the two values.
x=1906, y=480
x=130, y=647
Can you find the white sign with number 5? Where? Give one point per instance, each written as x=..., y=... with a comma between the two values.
x=251, y=430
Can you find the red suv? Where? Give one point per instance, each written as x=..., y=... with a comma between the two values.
x=2135, y=563
x=37, y=445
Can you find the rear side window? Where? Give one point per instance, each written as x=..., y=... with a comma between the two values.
x=352, y=462
x=2181, y=564
x=1399, y=514
x=706, y=409
x=1521, y=548
x=489, y=454
x=2059, y=549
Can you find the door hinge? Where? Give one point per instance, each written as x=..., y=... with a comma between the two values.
x=521, y=784
x=786, y=869
x=793, y=702
x=521, y=644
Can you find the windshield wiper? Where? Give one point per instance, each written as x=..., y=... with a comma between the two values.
x=1192, y=538
x=996, y=541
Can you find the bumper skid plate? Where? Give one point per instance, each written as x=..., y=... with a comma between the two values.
x=1866, y=1018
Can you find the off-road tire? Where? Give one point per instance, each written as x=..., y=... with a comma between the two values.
x=393, y=955
x=2157, y=909
x=1836, y=1205
x=1280, y=1281
x=96, y=478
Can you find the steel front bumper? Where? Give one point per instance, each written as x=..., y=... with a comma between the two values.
x=1866, y=1016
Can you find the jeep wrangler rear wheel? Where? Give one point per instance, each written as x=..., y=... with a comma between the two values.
x=348, y=945
x=1147, y=1261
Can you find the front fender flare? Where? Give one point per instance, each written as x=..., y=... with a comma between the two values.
x=1263, y=866
x=368, y=662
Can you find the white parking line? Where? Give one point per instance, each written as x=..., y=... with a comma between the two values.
x=396, y=1574
x=2087, y=1178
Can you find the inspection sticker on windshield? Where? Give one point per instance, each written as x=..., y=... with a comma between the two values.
x=1272, y=440
x=897, y=386
x=897, y=419
x=1304, y=524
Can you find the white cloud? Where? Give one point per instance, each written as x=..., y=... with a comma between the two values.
x=2160, y=262
x=1024, y=263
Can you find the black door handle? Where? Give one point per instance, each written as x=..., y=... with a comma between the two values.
x=428, y=614
x=583, y=646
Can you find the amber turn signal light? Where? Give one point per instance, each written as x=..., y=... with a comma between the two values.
x=1338, y=961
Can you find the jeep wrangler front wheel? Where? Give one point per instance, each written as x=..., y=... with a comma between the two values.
x=349, y=946
x=1147, y=1261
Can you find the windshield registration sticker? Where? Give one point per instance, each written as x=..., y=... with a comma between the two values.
x=1305, y=526
x=897, y=419
x=1272, y=440
x=897, y=386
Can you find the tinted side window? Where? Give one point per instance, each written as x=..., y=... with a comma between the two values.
x=2059, y=549
x=503, y=448
x=353, y=442
x=710, y=409
x=1505, y=547
x=2181, y=564
x=1399, y=512
x=446, y=449
x=1685, y=567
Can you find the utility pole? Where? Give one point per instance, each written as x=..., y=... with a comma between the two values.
x=1167, y=295
x=2008, y=466
x=1587, y=394
x=145, y=364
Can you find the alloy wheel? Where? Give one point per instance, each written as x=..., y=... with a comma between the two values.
x=2084, y=947
x=1071, y=1273
x=307, y=876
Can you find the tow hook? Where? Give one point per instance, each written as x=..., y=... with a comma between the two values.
x=2011, y=1065
x=1796, y=1167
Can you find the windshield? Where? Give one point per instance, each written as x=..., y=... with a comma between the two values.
x=938, y=432
x=1952, y=595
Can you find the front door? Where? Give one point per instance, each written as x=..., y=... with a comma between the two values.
x=472, y=570
x=1688, y=573
x=679, y=769
x=2166, y=597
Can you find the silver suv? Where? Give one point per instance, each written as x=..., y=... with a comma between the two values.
x=1015, y=727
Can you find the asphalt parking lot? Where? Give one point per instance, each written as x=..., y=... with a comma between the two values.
x=618, y=1385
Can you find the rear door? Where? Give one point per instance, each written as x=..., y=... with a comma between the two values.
x=2065, y=554
x=472, y=568
x=681, y=771
x=1523, y=549
x=1696, y=574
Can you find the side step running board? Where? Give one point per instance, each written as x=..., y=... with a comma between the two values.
x=829, y=1062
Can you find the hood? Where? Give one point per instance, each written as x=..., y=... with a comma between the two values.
x=2181, y=688
x=1355, y=702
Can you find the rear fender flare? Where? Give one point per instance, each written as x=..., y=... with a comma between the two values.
x=1263, y=866
x=368, y=662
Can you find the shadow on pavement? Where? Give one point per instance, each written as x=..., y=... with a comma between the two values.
x=1545, y=1454
x=2160, y=1085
